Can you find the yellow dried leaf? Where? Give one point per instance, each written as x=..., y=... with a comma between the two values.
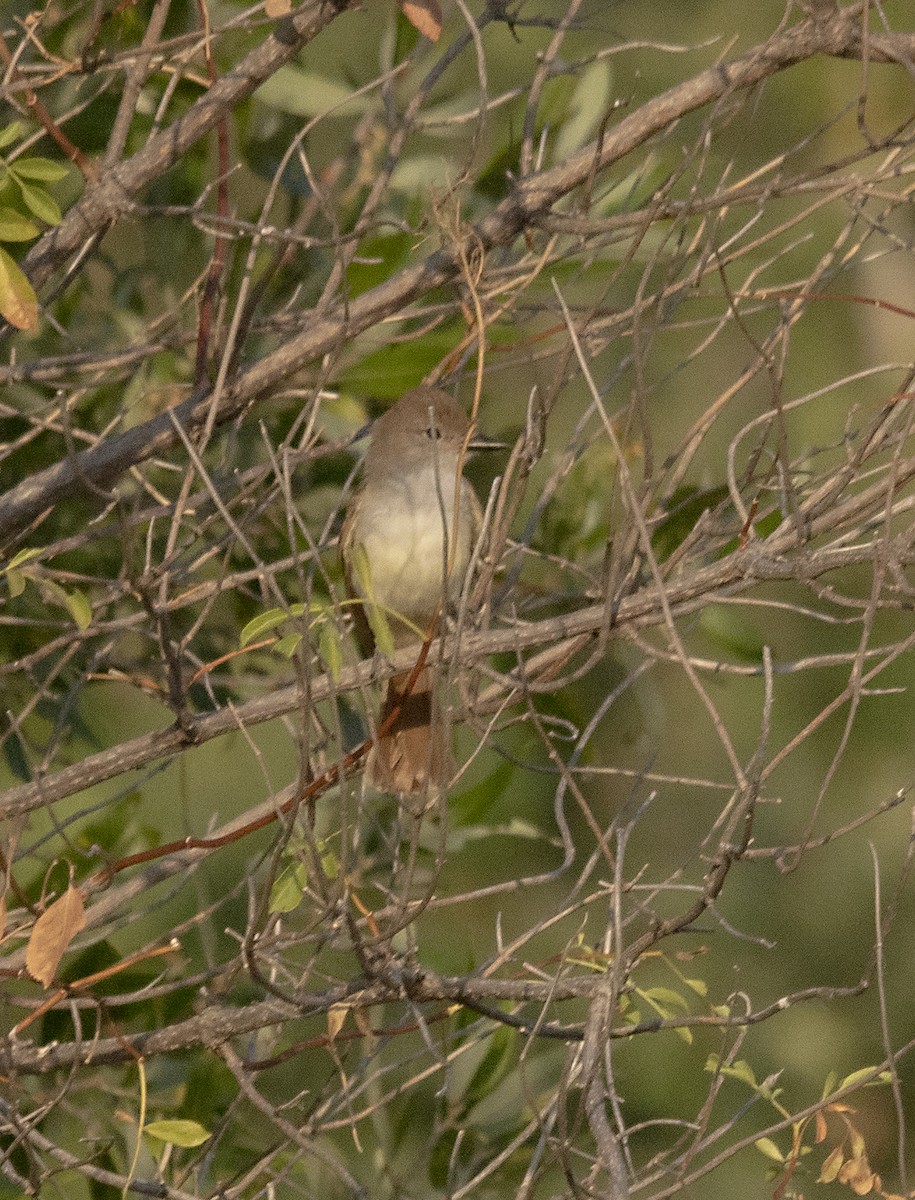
x=18, y=302
x=856, y=1172
x=830, y=1168
x=425, y=15
x=335, y=1018
x=54, y=930
x=277, y=8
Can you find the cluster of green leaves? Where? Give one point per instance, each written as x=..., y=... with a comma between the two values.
x=18, y=575
x=24, y=202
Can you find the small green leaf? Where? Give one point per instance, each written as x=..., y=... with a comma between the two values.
x=378, y=622
x=264, y=622
x=684, y=509
x=375, y=615
x=16, y=226
x=20, y=557
x=740, y=1070
x=493, y=1068
x=178, y=1132
x=330, y=864
x=587, y=107
x=664, y=997
x=43, y=169
x=15, y=581
x=44, y=207
x=16, y=760
x=308, y=94
x=52, y=591
x=287, y=645
x=11, y=133
x=856, y=1076
x=288, y=888
x=766, y=1146
x=79, y=608
x=732, y=632
x=329, y=649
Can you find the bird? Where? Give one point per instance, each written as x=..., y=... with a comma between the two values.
x=406, y=543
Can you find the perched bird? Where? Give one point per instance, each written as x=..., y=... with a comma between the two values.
x=406, y=543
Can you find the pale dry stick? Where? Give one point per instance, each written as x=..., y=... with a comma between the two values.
x=543, y=73
x=889, y=657
x=880, y=976
x=695, y=436
x=855, y=687
x=645, y=537
x=476, y=140
x=135, y=77
x=235, y=529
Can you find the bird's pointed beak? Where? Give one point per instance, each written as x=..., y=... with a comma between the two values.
x=480, y=441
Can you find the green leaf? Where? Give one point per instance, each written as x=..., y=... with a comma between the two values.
x=856, y=1076
x=16, y=760
x=390, y=370
x=375, y=615
x=288, y=888
x=15, y=578
x=477, y=802
x=664, y=998
x=329, y=649
x=330, y=864
x=287, y=645
x=20, y=557
x=587, y=107
x=685, y=508
x=575, y=523
x=494, y=1067
x=308, y=94
x=18, y=302
x=264, y=622
x=11, y=133
x=79, y=608
x=378, y=258
x=44, y=207
x=15, y=581
x=43, y=169
x=740, y=1070
x=178, y=1132
x=732, y=632
x=766, y=1146
x=699, y=986
x=15, y=226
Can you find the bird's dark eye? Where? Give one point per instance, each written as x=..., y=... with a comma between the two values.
x=433, y=432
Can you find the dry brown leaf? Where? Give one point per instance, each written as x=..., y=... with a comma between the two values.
x=54, y=930
x=425, y=15
x=277, y=8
